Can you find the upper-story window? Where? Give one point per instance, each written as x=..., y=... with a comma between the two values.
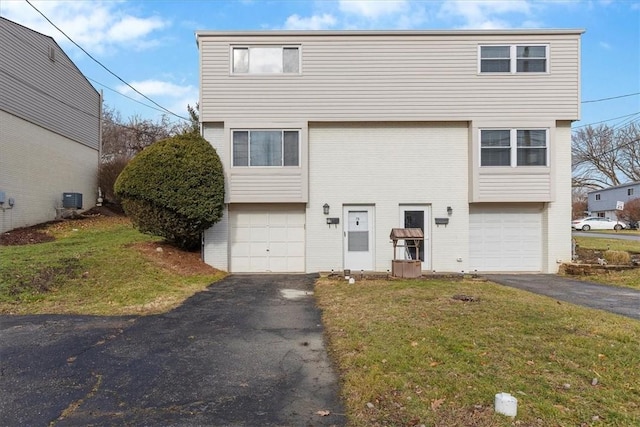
x=629, y=191
x=266, y=148
x=513, y=147
x=265, y=60
x=597, y=197
x=514, y=59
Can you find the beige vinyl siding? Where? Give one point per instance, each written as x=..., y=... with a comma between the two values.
x=389, y=76
x=36, y=167
x=386, y=165
x=520, y=185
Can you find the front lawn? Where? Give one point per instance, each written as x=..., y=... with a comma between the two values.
x=99, y=266
x=413, y=352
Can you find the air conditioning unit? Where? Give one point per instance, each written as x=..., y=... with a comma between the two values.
x=72, y=200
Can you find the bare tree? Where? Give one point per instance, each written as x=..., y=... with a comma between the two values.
x=122, y=140
x=631, y=211
x=579, y=201
x=605, y=156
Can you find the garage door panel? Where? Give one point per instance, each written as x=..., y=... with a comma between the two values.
x=505, y=239
x=267, y=238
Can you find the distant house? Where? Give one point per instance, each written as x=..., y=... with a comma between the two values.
x=49, y=129
x=330, y=139
x=606, y=202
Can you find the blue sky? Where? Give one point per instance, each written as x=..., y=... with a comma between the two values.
x=151, y=44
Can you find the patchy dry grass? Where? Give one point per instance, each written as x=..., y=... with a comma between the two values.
x=419, y=356
x=95, y=266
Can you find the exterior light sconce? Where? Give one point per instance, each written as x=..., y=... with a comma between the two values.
x=325, y=209
x=449, y=210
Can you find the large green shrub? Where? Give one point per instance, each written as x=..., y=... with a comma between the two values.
x=174, y=189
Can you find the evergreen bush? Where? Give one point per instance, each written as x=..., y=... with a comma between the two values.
x=174, y=189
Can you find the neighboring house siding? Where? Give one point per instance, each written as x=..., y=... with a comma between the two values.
x=387, y=76
x=388, y=164
x=609, y=197
x=52, y=94
x=36, y=167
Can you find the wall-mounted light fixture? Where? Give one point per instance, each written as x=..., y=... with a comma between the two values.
x=325, y=209
x=449, y=210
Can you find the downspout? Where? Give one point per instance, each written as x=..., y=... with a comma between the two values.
x=100, y=96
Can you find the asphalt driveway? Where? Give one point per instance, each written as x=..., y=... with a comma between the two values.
x=619, y=300
x=248, y=351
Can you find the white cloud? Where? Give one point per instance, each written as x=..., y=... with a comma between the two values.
x=171, y=95
x=485, y=14
x=315, y=22
x=605, y=45
x=98, y=26
x=373, y=9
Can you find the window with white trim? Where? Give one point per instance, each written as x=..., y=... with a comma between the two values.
x=266, y=148
x=597, y=197
x=513, y=147
x=513, y=59
x=265, y=60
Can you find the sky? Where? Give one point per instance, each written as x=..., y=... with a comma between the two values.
x=151, y=44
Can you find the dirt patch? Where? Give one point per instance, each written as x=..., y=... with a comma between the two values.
x=174, y=259
x=40, y=233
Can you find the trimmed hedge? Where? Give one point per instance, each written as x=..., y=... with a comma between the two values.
x=174, y=189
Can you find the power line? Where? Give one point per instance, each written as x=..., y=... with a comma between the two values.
x=606, y=120
x=611, y=97
x=75, y=69
x=104, y=66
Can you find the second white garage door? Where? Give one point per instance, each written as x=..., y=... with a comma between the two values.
x=267, y=238
x=505, y=239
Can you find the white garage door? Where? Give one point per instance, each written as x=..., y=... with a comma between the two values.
x=267, y=238
x=505, y=239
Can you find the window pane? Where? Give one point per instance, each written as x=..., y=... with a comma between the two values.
x=532, y=65
x=531, y=51
x=291, y=157
x=495, y=138
x=265, y=60
x=241, y=148
x=291, y=61
x=532, y=157
x=266, y=148
x=240, y=60
x=495, y=157
x=532, y=138
x=495, y=52
x=495, y=66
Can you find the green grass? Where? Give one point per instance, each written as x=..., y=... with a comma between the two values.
x=627, y=278
x=421, y=357
x=93, y=267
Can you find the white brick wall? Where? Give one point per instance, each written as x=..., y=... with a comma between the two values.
x=36, y=167
x=388, y=164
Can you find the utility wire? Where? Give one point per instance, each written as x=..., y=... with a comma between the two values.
x=612, y=97
x=606, y=120
x=75, y=69
x=104, y=66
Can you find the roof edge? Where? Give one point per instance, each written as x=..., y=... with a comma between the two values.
x=523, y=31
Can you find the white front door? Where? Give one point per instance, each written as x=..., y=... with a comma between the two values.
x=358, y=237
x=416, y=216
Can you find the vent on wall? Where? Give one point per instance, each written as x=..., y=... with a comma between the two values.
x=52, y=53
x=72, y=200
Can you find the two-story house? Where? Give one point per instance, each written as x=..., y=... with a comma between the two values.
x=49, y=129
x=606, y=202
x=330, y=139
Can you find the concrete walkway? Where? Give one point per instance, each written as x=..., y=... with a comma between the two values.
x=248, y=351
x=619, y=300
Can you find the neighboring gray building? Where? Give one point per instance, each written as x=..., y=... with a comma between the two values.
x=49, y=128
x=605, y=203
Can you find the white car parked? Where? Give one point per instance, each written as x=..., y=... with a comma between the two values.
x=595, y=223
